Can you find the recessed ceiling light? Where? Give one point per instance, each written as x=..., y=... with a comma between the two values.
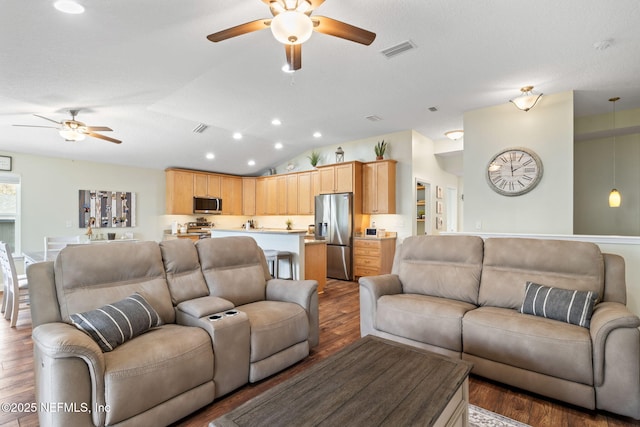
x=317, y=134
x=276, y=122
x=68, y=6
x=237, y=135
x=278, y=145
x=210, y=156
x=251, y=162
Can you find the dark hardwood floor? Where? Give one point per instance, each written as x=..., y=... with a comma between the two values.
x=339, y=326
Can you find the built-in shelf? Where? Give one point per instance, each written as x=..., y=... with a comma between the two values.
x=420, y=203
x=420, y=219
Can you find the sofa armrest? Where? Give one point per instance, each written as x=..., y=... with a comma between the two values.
x=203, y=306
x=371, y=289
x=607, y=317
x=302, y=292
x=58, y=350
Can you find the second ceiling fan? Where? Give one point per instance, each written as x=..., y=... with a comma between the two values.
x=292, y=25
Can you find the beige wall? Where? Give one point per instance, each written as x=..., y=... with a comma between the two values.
x=49, y=191
x=547, y=129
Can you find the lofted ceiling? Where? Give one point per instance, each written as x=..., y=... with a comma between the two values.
x=145, y=69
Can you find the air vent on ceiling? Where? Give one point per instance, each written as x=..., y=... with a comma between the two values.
x=200, y=128
x=374, y=118
x=392, y=51
x=433, y=109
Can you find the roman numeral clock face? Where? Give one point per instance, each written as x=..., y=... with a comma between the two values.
x=514, y=171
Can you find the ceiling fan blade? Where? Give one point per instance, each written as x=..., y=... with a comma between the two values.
x=106, y=138
x=99, y=129
x=294, y=56
x=239, y=30
x=36, y=126
x=46, y=118
x=332, y=27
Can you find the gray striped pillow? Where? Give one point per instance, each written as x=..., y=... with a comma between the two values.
x=113, y=324
x=575, y=307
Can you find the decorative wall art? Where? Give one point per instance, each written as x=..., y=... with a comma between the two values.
x=439, y=223
x=439, y=192
x=107, y=209
x=439, y=209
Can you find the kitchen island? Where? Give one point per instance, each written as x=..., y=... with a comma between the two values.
x=274, y=238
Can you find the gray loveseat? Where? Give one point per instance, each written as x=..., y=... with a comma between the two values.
x=225, y=322
x=461, y=296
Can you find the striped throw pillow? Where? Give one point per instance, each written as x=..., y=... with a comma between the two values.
x=113, y=324
x=575, y=307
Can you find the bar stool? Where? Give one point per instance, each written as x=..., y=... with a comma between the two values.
x=274, y=257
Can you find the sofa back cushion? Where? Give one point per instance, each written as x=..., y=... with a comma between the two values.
x=234, y=268
x=182, y=266
x=509, y=263
x=441, y=266
x=90, y=276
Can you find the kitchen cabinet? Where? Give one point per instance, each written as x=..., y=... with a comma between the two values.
x=281, y=194
x=373, y=256
x=179, y=190
x=379, y=187
x=206, y=185
x=261, y=196
x=340, y=178
x=305, y=197
x=231, y=191
x=248, y=196
x=315, y=263
x=293, y=195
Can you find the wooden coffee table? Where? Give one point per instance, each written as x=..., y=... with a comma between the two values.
x=371, y=382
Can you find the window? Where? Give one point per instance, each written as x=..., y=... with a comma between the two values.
x=10, y=210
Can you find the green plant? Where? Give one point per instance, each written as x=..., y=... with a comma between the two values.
x=289, y=223
x=380, y=148
x=314, y=158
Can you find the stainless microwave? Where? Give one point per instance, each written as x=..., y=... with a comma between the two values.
x=207, y=205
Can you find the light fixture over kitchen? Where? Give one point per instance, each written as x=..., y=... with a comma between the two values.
x=454, y=134
x=68, y=6
x=527, y=99
x=615, y=199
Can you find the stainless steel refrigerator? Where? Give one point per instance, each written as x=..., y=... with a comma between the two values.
x=334, y=223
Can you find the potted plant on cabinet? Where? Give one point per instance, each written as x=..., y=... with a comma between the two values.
x=289, y=223
x=380, y=148
x=314, y=158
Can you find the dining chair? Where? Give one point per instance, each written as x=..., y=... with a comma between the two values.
x=55, y=244
x=17, y=290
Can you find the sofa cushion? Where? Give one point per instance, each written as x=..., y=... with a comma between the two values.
x=566, y=305
x=529, y=342
x=430, y=320
x=182, y=266
x=441, y=266
x=145, y=372
x=511, y=262
x=275, y=326
x=113, y=324
x=234, y=268
x=90, y=276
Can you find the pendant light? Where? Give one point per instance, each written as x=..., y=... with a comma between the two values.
x=614, y=196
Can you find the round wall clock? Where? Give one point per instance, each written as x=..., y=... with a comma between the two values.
x=514, y=171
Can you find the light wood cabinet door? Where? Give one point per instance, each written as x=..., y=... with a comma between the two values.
x=344, y=178
x=179, y=192
x=315, y=180
x=293, y=195
x=373, y=257
x=305, y=194
x=327, y=180
x=214, y=186
x=261, y=196
x=270, y=196
x=200, y=185
x=281, y=195
x=231, y=190
x=248, y=196
x=379, y=187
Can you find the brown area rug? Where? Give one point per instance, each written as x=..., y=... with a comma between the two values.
x=479, y=417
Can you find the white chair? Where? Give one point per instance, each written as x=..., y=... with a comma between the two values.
x=16, y=290
x=53, y=245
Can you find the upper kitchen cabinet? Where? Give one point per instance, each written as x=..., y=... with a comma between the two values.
x=207, y=185
x=379, y=187
x=179, y=192
x=293, y=193
x=248, y=196
x=340, y=178
x=231, y=191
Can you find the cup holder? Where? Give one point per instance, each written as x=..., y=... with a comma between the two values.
x=231, y=313
x=215, y=317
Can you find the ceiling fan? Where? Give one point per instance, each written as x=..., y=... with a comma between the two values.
x=292, y=25
x=73, y=130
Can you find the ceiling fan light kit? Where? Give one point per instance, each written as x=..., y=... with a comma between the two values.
x=292, y=25
x=73, y=130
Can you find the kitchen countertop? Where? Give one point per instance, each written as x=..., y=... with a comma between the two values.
x=314, y=242
x=262, y=230
x=388, y=235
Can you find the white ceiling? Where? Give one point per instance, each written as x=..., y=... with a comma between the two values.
x=146, y=69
